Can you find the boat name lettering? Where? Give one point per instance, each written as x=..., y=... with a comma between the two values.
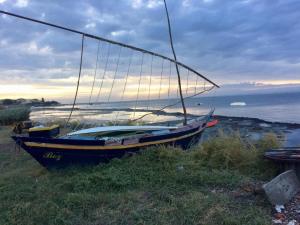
x=51, y=155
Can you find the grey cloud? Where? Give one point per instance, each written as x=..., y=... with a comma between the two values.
x=229, y=40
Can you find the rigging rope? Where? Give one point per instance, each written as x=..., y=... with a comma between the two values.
x=126, y=79
x=169, y=80
x=104, y=72
x=78, y=81
x=149, y=90
x=112, y=86
x=161, y=74
x=187, y=83
x=196, y=85
x=137, y=96
x=95, y=74
x=125, y=85
x=167, y=106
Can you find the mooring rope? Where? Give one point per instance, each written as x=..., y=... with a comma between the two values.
x=78, y=81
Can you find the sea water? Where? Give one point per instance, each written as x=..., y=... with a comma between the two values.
x=279, y=107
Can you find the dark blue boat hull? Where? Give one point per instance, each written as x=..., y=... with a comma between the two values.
x=60, y=152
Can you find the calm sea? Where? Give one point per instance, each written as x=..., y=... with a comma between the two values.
x=283, y=107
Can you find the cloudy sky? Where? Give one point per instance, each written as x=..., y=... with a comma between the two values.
x=243, y=45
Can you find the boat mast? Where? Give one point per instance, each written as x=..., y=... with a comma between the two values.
x=177, y=70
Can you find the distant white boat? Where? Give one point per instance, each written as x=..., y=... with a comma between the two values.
x=238, y=104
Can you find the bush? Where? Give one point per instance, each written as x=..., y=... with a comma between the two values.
x=230, y=151
x=8, y=101
x=12, y=115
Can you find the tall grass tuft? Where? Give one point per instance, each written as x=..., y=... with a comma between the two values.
x=12, y=115
x=230, y=151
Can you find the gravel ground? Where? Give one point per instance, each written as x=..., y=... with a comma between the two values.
x=290, y=215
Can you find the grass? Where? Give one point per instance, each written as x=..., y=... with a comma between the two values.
x=232, y=152
x=15, y=114
x=158, y=186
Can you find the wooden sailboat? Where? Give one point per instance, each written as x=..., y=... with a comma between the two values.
x=99, y=144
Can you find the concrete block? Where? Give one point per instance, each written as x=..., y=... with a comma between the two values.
x=282, y=188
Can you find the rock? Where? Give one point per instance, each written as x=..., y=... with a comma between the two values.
x=264, y=125
x=277, y=221
x=279, y=216
x=279, y=208
x=180, y=168
x=292, y=222
x=282, y=188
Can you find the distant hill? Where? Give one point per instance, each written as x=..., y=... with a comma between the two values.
x=27, y=102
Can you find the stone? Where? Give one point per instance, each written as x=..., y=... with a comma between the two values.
x=282, y=188
x=292, y=222
x=277, y=221
x=279, y=216
x=279, y=208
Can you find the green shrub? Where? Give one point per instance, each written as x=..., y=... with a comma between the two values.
x=230, y=151
x=12, y=115
x=268, y=141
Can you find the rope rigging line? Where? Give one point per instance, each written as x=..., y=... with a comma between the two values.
x=95, y=73
x=169, y=80
x=127, y=74
x=161, y=75
x=78, y=81
x=112, y=86
x=125, y=85
x=167, y=106
x=104, y=72
x=137, y=96
x=149, y=90
x=196, y=85
x=187, y=83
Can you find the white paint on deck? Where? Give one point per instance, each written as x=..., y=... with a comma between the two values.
x=120, y=128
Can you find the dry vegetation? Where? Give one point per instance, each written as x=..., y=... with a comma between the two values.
x=11, y=115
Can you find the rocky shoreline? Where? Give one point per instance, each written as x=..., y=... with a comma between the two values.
x=255, y=128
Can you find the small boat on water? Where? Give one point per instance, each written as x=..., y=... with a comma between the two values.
x=238, y=104
x=100, y=144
